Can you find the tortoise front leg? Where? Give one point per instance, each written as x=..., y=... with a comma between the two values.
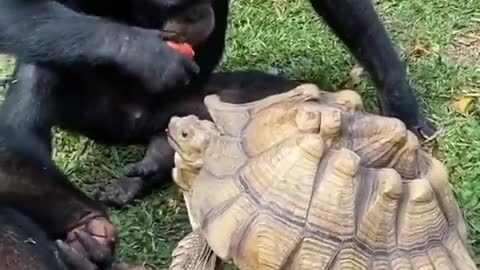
x=194, y=253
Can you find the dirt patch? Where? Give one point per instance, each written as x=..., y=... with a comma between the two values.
x=467, y=47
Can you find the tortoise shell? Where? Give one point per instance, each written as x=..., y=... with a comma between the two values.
x=308, y=180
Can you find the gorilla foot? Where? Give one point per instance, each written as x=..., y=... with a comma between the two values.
x=75, y=261
x=142, y=169
x=121, y=193
x=90, y=245
x=72, y=258
x=411, y=115
x=424, y=130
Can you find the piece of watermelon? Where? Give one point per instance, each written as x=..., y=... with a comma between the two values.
x=183, y=48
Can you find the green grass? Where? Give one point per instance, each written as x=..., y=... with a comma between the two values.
x=287, y=35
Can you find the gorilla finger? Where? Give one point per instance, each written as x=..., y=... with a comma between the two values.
x=72, y=258
x=190, y=66
x=97, y=252
x=180, y=79
x=133, y=170
x=147, y=171
x=139, y=172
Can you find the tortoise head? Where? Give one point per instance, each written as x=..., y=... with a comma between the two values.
x=189, y=136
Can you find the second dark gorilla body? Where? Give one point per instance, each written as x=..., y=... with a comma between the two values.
x=101, y=68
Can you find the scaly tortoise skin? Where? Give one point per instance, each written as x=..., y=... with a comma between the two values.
x=307, y=180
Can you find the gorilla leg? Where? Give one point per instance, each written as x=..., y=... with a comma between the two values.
x=24, y=245
x=210, y=52
x=158, y=157
x=31, y=184
x=142, y=176
x=358, y=26
x=28, y=104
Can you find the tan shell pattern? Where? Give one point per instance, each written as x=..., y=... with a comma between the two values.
x=307, y=180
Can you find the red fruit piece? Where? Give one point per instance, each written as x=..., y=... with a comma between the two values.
x=183, y=48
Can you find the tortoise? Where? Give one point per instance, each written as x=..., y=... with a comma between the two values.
x=307, y=179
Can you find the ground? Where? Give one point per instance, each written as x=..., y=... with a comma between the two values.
x=440, y=40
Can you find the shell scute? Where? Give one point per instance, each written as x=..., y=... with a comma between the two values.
x=222, y=224
x=263, y=242
x=331, y=208
x=284, y=175
x=351, y=258
x=314, y=252
x=376, y=229
x=400, y=260
x=308, y=120
x=458, y=252
x=205, y=205
x=375, y=139
x=231, y=119
x=423, y=220
x=224, y=157
x=381, y=263
x=270, y=128
x=438, y=256
x=437, y=175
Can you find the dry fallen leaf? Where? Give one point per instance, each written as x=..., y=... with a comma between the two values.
x=463, y=104
x=467, y=46
x=418, y=51
x=356, y=76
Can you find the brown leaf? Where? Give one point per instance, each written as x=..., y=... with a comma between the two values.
x=467, y=47
x=355, y=79
x=463, y=104
x=418, y=51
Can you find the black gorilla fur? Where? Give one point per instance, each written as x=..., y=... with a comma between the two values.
x=25, y=246
x=39, y=203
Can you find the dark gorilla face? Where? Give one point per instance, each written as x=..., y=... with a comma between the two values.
x=193, y=25
x=190, y=21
